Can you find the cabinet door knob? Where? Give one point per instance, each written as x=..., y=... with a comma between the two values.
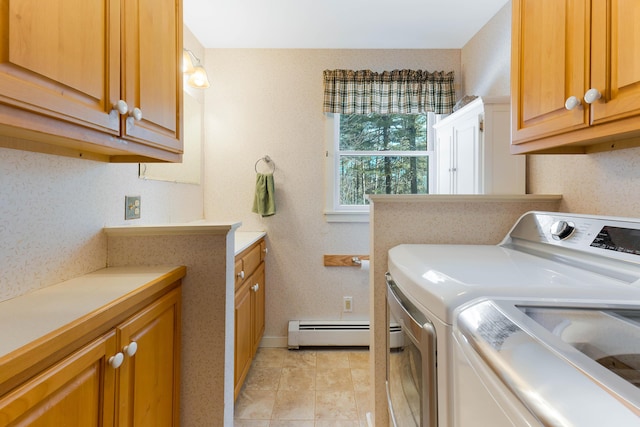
x=136, y=113
x=131, y=349
x=116, y=360
x=592, y=96
x=265, y=250
x=121, y=107
x=241, y=274
x=571, y=102
x=255, y=287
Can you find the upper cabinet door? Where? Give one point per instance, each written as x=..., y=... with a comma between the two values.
x=550, y=63
x=61, y=59
x=615, y=62
x=152, y=80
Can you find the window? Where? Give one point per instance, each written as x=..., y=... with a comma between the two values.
x=375, y=154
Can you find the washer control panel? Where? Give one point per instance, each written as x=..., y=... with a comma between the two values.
x=618, y=239
x=612, y=237
x=562, y=230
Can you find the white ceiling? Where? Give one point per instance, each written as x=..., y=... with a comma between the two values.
x=338, y=24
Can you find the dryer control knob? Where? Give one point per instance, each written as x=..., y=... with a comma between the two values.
x=561, y=230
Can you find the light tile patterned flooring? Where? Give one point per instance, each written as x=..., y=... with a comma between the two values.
x=305, y=388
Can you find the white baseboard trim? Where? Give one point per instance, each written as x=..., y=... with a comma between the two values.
x=273, y=342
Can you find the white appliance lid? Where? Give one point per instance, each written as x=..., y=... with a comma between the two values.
x=555, y=381
x=440, y=278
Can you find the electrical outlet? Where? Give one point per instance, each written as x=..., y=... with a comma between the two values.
x=131, y=207
x=347, y=304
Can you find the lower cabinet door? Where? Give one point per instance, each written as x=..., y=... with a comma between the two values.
x=258, y=306
x=77, y=391
x=243, y=337
x=148, y=394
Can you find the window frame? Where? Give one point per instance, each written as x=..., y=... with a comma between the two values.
x=336, y=212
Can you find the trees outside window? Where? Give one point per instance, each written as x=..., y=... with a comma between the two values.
x=381, y=154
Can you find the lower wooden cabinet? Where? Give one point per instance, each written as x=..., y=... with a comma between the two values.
x=129, y=376
x=249, y=310
x=148, y=390
x=243, y=351
x=79, y=391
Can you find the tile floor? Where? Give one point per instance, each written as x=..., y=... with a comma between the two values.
x=305, y=388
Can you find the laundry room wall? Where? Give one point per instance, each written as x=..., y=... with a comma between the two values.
x=269, y=102
x=53, y=209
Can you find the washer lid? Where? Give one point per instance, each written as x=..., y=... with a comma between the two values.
x=558, y=383
x=609, y=337
x=442, y=277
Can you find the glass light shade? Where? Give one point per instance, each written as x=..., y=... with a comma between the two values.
x=198, y=77
x=187, y=62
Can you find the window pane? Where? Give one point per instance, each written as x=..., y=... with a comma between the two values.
x=362, y=175
x=383, y=132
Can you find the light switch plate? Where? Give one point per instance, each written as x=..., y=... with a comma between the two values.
x=131, y=207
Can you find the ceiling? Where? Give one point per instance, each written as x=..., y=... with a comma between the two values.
x=338, y=24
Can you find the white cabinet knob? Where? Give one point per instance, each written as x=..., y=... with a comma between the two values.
x=241, y=274
x=255, y=287
x=571, y=102
x=116, y=360
x=592, y=96
x=265, y=250
x=130, y=349
x=136, y=113
x=121, y=107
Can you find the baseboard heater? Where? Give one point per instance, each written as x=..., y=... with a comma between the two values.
x=338, y=333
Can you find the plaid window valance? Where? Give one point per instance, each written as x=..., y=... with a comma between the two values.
x=389, y=92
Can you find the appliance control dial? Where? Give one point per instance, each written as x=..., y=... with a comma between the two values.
x=562, y=230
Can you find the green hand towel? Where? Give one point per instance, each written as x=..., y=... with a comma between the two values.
x=264, y=202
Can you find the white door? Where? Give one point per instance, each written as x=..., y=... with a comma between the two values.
x=444, y=159
x=468, y=154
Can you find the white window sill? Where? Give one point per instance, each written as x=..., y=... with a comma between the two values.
x=346, y=216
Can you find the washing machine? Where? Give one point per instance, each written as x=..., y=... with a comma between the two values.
x=547, y=363
x=546, y=258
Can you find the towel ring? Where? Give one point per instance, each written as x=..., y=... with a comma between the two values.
x=268, y=161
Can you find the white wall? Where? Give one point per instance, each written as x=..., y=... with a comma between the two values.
x=486, y=58
x=269, y=102
x=52, y=210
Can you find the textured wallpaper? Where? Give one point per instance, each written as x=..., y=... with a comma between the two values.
x=269, y=102
x=486, y=58
x=52, y=210
x=600, y=184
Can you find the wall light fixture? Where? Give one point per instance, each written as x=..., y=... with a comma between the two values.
x=191, y=67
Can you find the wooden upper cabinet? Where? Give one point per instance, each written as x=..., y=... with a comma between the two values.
x=567, y=50
x=615, y=62
x=66, y=64
x=550, y=63
x=62, y=59
x=152, y=79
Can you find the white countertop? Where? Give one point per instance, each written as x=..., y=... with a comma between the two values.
x=187, y=228
x=31, y=316
x=457, y=198
x=244, y=239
